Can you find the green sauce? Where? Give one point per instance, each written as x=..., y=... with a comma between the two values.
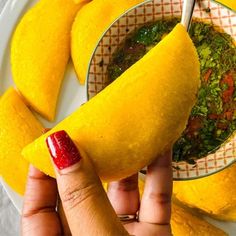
x=213, y=118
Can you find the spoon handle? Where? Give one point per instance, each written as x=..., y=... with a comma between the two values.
x=187, y=12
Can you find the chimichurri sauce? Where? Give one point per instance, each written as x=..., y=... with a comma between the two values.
x=213, y=118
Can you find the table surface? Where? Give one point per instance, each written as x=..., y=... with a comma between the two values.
x=9, y=217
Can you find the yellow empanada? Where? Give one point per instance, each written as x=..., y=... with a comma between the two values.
x=138, y=116
x=90, y=23
x=18, y=127
x=40, y=51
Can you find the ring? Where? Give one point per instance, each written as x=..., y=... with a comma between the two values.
x=127, y=218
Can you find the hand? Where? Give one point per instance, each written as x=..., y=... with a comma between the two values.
x=155, y=206
x=86, y=205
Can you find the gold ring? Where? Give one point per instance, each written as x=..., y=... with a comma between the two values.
x=127, y=217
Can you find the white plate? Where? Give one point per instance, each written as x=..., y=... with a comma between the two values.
x=72, y=94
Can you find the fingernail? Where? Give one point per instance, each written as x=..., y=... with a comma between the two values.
x=63, y=151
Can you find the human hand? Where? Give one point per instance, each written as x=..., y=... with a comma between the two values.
x=87, y=208
x=154, y=208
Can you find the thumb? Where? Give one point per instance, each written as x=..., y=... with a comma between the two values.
x=84, y=200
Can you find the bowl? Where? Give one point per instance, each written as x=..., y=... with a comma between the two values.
x=208, y=11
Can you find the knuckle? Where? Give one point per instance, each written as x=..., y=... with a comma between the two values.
x=128, y=184
x=72, y=197
x=160, y=198
x=125, y=185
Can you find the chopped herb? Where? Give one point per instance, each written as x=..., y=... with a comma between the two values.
x=114, y=72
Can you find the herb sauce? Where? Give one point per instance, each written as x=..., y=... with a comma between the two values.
x=213, y=118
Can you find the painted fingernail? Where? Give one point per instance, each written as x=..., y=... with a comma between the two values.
x=63, y=151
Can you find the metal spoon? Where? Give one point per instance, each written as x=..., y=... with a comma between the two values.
x=187, y=13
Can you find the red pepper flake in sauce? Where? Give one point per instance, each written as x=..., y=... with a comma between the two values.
x=207, y=75
x=227, y=83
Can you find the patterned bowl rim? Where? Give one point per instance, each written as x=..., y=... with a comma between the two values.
x=230, y=138
x=87, y=90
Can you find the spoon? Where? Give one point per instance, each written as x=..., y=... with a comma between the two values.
x=187, y=13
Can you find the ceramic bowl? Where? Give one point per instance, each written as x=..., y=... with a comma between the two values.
x=206, y=10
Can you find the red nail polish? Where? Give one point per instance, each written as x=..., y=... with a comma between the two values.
x=63, y=151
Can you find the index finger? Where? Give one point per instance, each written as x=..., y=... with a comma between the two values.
x=155, y=205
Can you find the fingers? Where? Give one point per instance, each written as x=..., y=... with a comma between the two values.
x=84, y=200
x=156, y=200
x=39, y=216
x=124, y=195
